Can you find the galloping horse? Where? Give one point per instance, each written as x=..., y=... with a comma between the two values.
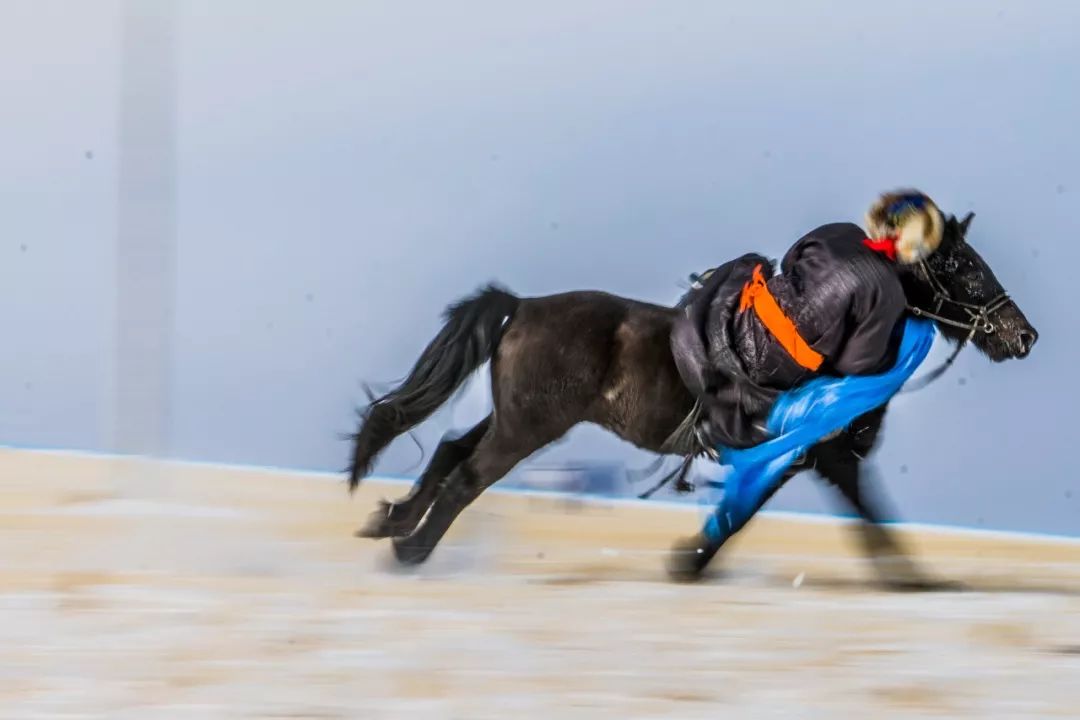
x=589, y=356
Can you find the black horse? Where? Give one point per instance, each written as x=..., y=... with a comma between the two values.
x=588, y=356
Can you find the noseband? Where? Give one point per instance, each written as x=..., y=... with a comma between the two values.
x=978, y=321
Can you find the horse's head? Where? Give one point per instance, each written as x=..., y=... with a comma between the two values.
x=955, y=287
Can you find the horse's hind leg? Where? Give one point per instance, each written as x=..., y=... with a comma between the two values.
x=496, y=455
x=399, y=518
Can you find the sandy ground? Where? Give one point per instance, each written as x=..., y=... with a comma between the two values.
x=135, y=590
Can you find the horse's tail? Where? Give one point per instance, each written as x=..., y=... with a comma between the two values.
x=468, y=339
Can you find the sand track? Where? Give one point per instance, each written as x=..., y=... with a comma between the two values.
x=137, y=590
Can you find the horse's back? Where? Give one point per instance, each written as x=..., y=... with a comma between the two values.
x=596, y=303
x=591, y=356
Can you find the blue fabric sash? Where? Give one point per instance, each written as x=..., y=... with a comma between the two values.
x=799, y=419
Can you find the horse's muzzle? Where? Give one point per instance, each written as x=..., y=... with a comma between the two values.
x=1014, y=332
x=1026, y=342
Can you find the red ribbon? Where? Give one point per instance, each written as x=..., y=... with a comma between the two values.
x=885, y=246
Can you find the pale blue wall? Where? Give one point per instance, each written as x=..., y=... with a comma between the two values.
x=345, y=169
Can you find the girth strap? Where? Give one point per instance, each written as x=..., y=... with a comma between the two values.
x=756, y=294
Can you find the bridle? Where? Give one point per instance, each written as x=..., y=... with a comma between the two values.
x=978, y=321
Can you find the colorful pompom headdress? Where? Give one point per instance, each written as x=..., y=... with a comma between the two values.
x=910, y=220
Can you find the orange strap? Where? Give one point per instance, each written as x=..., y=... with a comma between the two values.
x=756, y=294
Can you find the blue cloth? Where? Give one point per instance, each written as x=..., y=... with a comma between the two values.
x=799, y=419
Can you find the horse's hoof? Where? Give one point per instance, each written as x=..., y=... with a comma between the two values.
x=689, y=558
x=380, y=523
x=410, y=553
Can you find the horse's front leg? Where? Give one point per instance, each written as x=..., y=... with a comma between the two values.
x=845, y=470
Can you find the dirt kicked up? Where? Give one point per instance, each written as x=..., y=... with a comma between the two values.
x=137, y=590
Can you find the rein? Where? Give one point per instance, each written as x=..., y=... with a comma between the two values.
x=978, y=316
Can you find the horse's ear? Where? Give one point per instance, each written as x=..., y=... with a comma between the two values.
x=966, y=223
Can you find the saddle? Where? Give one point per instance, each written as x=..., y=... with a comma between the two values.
x=732, y=407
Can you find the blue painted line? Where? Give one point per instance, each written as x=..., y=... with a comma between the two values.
x=686, y=506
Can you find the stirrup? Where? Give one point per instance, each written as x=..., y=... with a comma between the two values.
x=704, y=444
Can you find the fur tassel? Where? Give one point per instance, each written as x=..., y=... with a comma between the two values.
x=912, y=219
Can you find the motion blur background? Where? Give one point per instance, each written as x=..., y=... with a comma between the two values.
x=217, y=219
